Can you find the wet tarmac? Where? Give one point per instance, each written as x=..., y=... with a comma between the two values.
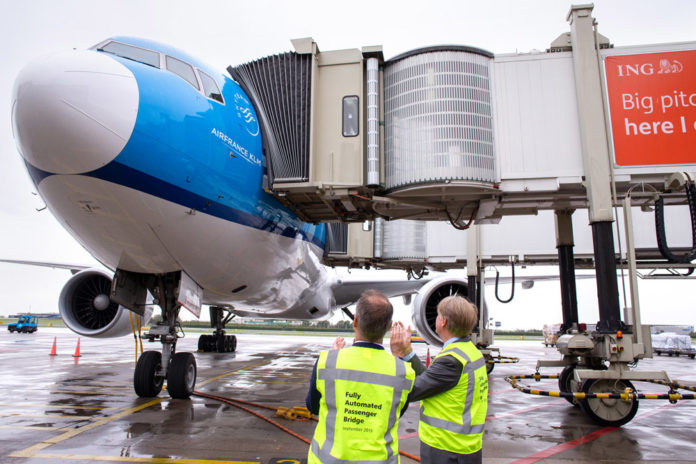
x=62, y=409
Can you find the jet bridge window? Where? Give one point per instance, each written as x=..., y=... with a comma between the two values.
x=130, y=52
x=210, y=87
x=350, y=116
x=183, y=70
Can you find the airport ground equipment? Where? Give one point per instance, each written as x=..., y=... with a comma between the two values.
x=608, y=402
x=551, y=332
x=673, y=344
x=26, y=323
x=492, y=356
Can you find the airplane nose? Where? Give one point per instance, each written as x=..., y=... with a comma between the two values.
x=73, y=112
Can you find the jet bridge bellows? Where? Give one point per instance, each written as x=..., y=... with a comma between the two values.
x=280, y=85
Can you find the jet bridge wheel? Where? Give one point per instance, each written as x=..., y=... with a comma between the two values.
x=145, y=380
x=566, y=382
x=181, y=377
x=608, y=411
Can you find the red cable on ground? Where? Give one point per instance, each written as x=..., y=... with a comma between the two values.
x=238, y=404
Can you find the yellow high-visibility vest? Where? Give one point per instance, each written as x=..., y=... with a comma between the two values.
x=453, y=420
x=362, y=393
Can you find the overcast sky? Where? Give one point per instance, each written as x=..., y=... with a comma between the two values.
x=228, y=32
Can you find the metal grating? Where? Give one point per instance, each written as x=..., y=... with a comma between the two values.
x=280, y=89
x=438, y=117
x=336, y=238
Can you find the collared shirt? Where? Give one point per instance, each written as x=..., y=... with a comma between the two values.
x=409, y=356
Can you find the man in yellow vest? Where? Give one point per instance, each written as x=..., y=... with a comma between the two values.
x=453, y=391
x=359, y=392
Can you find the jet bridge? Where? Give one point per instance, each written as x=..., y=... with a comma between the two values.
x=386, y=151
x=457, y=134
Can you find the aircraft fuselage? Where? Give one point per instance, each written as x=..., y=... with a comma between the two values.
x=154, y=162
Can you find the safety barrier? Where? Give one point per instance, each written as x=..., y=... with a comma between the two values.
x=503, y=360
x=627, y=395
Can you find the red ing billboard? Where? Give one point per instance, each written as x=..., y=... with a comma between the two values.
x=652, y=105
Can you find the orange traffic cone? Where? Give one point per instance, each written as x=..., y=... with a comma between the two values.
x=77, y=349
x=53, y=350
x=427, y=358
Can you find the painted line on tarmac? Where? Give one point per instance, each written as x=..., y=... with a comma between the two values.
x=285, y=382
x=32, y=427
x=51, y=416
x=53, y=406
x=87, y=457
x=536, y=457
x=227, y=374
x=34, y=449
x=86, y=392
x=110, y=387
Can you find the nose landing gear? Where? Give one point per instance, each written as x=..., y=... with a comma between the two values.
x=153, y=367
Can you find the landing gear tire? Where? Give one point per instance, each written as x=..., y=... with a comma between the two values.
x=206, y=343
x=145, y=380
x=606, y=411
x=181, y=378
x=233, y=343
x=221, y=344
x=489, y=363
x=566, y=383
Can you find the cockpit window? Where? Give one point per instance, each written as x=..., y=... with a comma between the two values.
x=184, y=70
x=210, y=87
x=130, y=52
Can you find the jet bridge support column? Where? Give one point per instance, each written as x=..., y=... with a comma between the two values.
x=566, y=267
x=597, y=166
x=472, y=266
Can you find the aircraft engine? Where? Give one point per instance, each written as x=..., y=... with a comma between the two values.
x=86, y=309
x=425, y=305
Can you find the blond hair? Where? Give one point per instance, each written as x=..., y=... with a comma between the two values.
x=461, y=315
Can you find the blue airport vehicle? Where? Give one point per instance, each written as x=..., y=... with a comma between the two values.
x=25, y=324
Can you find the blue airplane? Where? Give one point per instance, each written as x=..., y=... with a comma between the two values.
x=153, y=161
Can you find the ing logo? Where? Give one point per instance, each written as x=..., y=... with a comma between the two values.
x=663, y=66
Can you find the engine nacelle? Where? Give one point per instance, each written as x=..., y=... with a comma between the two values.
x=86, y=309
x=425, y=305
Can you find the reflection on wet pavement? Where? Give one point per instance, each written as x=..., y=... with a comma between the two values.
x=64, y=412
